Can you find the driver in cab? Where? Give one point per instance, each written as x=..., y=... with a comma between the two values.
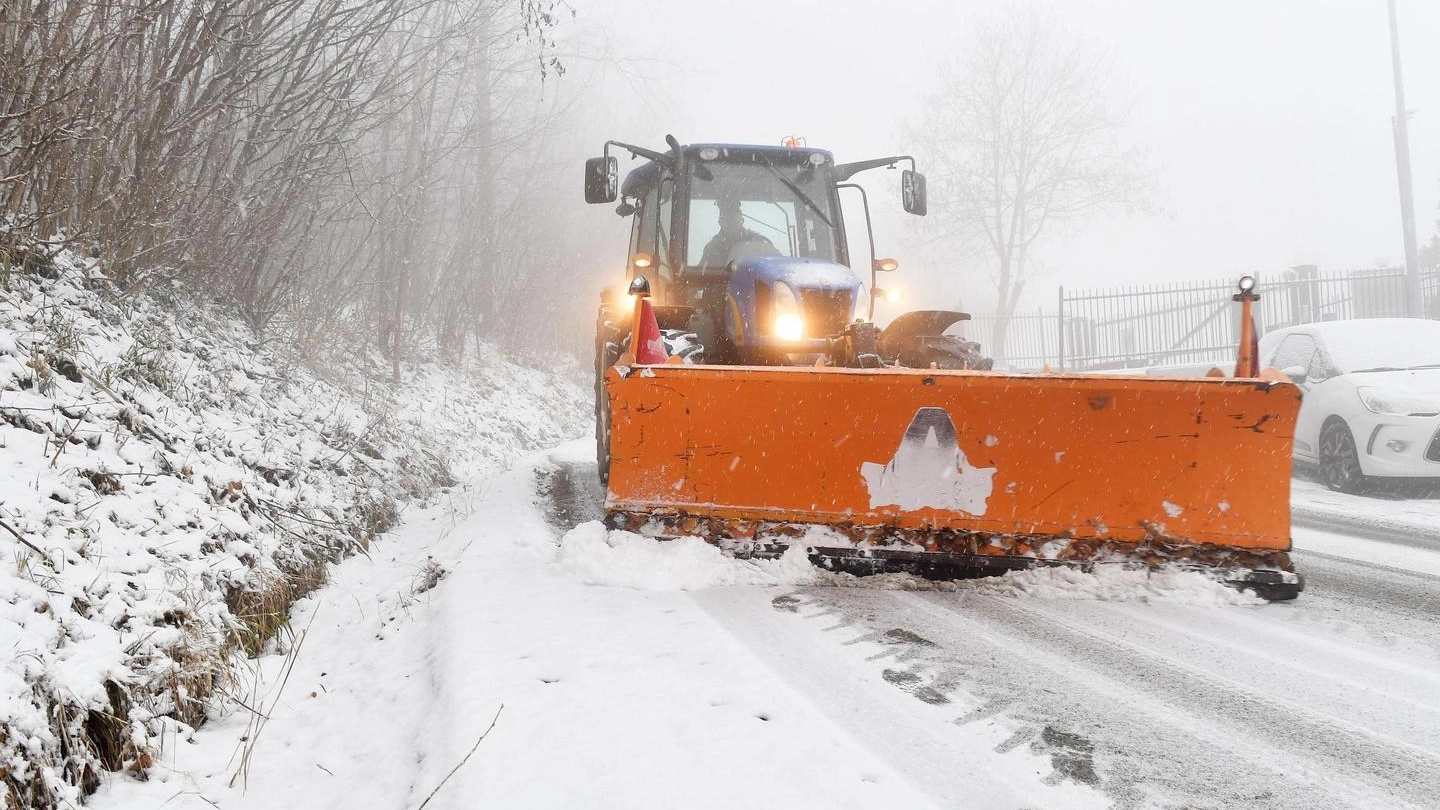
x=733, y=233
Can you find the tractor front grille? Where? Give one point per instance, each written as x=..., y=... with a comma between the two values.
x=826, y=311
x=1432, y=453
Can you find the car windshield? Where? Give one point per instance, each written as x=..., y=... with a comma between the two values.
x=1382, y=344
x=759, y=208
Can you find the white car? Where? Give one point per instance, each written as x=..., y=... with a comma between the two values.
x=1372, y=397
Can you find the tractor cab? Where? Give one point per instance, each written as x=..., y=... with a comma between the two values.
x=692, y=218
x=744, y=245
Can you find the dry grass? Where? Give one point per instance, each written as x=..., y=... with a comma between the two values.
x=94, y=738
x=428, y=576
x=262, y=609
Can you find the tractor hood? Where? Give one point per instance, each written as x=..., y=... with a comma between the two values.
x=825, y=291
x=797, y=273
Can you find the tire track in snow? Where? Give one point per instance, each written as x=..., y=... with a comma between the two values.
x=1393, y=532
x=1371, y=606
x=819, y=653
x=1153, y=750
x=1279, y=641
x=1412, y=594
x=1142, y=751
x=1345, y=758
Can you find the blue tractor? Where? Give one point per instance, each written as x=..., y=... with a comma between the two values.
x=742, y=249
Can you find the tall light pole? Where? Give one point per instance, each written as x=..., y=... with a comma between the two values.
x=1414, y=304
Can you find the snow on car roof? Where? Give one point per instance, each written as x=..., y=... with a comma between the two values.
x=1378, y=342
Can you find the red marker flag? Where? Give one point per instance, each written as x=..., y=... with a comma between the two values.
x=651, y=350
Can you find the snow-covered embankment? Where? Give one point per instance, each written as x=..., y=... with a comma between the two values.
x=169, y=485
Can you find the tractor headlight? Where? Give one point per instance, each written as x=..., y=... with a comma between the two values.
x=1395, y=404
x=789, y=327
x=788, y=324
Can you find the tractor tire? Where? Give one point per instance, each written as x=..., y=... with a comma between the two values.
x=608, y=337
x=678, y=343
x=958, y=354
x=1340, y=458
x=611, y=342
x=944, y=351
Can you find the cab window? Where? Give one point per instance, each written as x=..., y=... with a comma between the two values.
x=759, y=208
x=651, y=231
x=645, y=225
x=772, y=222
x=662, y=228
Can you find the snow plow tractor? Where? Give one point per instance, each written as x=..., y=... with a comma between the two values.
x=745, y=395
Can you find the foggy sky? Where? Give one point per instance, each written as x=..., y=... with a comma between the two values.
x=1268, y=123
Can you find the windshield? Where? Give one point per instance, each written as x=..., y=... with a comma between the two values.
x=757, y=208
x=1397, y=343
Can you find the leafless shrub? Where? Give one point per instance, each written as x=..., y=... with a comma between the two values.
x=335, y=164
x=1024, y=132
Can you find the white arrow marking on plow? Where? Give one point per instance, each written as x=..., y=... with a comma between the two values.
x=929, y=470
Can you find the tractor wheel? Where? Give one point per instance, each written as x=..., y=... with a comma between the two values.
x=951, y=352
x=679, y=343
x=610, y=344
x=1340, y=459
x=945, y=351
x=608, y=339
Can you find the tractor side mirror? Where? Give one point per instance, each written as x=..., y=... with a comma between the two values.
x=602, y=180
x=912, y=192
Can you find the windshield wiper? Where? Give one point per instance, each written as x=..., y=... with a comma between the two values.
x=1428, y=365
x=1379, y=368
x=794, y=189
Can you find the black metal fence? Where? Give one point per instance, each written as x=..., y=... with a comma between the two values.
x=1190, y=322
x=1031, y=341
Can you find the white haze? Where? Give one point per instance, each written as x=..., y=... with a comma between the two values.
x=1268, y=124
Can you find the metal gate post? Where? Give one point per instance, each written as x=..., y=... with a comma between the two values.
x=1060, y=330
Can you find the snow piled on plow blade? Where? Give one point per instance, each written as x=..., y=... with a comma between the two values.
x=593, y=555
x=597, y=556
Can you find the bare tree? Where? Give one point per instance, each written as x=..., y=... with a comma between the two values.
x=1023, y=132
x=333, y=165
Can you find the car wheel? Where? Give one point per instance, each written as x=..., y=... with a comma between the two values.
x=1339, y=458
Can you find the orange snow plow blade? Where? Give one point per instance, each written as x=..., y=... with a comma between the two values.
x=989, y=471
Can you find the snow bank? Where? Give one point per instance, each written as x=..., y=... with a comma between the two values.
x=1106, y=583
x=1114, y=583
x=597, y=556
x=613, y=697
x=1407, y=509
x=169, y=485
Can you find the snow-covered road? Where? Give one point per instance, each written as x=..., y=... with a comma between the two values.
x=1329, y=701
x=636, y=674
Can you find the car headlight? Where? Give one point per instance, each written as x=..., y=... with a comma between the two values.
x=789, y=325
x=1395, y=404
